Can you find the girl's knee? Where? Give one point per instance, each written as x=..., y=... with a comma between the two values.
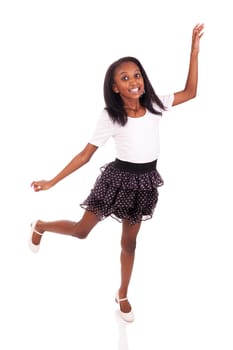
x=81, y=231
x=128, y=246
x=85, y=225
x=82, y=234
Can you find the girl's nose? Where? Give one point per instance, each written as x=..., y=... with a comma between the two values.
x=132, y=81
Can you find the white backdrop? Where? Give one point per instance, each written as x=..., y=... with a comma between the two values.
x=54, y=55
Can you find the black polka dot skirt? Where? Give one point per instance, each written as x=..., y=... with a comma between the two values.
x=125, y=190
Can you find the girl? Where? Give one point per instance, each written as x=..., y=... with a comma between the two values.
x=127, y=188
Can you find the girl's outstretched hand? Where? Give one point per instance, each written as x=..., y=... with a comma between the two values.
x=197, y=34
x=41, y=185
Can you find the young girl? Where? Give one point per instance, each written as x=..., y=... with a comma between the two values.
x=127, y=188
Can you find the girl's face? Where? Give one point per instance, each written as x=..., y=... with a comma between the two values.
x=128, y=81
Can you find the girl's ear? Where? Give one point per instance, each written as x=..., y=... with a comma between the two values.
x=115, y=89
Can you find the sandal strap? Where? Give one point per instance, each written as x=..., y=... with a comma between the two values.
x=38, y=233
x=122, y=299
x=33, y=225
x=118, y=300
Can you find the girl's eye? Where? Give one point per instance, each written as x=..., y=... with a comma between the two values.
x=136, y=76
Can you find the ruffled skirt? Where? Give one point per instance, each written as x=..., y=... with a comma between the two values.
x=125, y=190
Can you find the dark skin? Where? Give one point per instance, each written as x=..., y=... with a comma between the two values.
x=128, y=82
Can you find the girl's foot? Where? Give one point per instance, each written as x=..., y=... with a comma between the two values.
x=35, y=238
x=125, y=308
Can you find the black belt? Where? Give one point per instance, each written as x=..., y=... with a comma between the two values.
x=135, y=167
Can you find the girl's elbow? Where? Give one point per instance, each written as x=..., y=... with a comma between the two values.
x=85, y=158
x=86, y=154
x=192, y=94
x=195, y=93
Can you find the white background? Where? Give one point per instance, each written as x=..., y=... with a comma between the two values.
x=54, y=55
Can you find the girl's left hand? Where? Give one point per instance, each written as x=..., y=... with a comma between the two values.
x=197, y=34
x=41, y=185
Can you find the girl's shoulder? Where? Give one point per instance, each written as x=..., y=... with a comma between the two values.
x=167, y=101
x=104, y=120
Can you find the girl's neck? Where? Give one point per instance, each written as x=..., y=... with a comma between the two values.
x=134, y=110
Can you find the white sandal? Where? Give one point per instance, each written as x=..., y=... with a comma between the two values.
x=126, y=316
x=34, y=247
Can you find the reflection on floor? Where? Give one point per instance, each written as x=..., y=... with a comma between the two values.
x=122, y=327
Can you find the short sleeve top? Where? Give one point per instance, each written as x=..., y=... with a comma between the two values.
x=138, y=140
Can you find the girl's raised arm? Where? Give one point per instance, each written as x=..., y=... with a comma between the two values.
x=190, y=89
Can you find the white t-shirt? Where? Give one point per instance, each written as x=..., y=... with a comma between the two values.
x=138, y=140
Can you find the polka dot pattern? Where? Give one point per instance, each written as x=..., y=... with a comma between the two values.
x=124, y=194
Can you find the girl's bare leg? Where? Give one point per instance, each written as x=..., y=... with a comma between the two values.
x=79, y=229
x=128, y=245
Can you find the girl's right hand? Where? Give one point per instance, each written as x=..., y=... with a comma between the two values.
x=197, y=34
x=41, y=185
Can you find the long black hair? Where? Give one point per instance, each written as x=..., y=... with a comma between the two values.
x=113, y=101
